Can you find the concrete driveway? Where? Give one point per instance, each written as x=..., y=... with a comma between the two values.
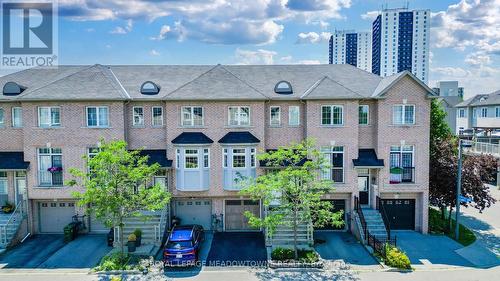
x=50, y=251
x=342, y=246
x=430, y=250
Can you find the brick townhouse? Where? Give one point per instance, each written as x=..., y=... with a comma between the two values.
x=205, y=125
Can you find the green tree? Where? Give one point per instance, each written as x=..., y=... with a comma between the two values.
x=117, y=185
x=440, y=130
x=297, y=186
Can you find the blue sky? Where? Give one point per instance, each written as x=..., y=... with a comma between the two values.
x=465, y=35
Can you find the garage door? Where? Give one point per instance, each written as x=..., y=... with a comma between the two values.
x=235, y=220
x=338, y=205
x=400, y=212
x=195, y=212
x=96, y=226
x=54, y=216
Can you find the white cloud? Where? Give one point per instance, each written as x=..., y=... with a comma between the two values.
x=313, y=37
x=475, y=80
x=123, y=30
x=478, y=59
x=154, y=52
x=286, y=59
x=163, y=33
x=370, y=15
x=259, y=56
x=309, y=62
x=212, y=21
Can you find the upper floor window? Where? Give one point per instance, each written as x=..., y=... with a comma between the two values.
x=335, y=159
x=91, y=153
x=332, y=115
x=138, y=116
x=17, y=117
x=239, y=116
x=192, y=116
x=461, y=113
x=97, y=116
x=497, y=113
x=50, y=167
x=49, y=116
x=157, y=116
x=403, y=114
x=294, y=115
x=402, y=164
x=484, y=112
x=191, y=160
x=2, y=117
x=364, y=114
x=275, y=116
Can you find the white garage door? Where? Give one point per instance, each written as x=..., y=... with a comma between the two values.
x=96, y=226
x=195, y=212
x=54, y=216
x=234, y=214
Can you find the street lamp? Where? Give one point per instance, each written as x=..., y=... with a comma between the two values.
x=461, y=144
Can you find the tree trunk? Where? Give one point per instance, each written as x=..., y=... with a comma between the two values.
x=295, y=251
x=121, y=238
x=449, y=218
x=443, y=210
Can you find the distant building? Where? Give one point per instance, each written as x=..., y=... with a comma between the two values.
x=479, y=112
x=349, y=47
x=449, y=88
x=400, y=41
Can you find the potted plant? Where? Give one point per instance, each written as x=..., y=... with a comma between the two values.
x=138, y=235
x=8, y=208
x=131, y=243
x=55, y=169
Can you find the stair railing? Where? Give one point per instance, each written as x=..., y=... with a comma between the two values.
x=387, y=223
x=161, y=226
x=18, y=212
x=359, y=211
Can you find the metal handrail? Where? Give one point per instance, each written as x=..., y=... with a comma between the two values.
x=387, y=223
x=12, y=218
x=162, y=223
x=361, y=216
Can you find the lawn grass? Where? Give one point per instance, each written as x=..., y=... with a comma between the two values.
x=437, y=225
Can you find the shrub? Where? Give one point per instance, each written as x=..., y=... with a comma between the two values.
x=132, y=238
x=396, y=258
x=115, y=261
x=308, y=256
x=282, y=254
x=138, y=232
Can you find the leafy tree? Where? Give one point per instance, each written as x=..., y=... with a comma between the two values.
x=476, y=171
x=439, y=127
x=297, y=186
x=117, y=185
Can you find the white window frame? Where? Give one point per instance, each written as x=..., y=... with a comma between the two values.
x=244, y=154
x=461, y=113
x=190, y=122
x=153, y=116
x=272, y=122
x=178, y=158
x=367, y=114
x=484, y=112
x=98, y=116
x=332, y=107
x=140, y=116
x=5, y=183
x=51, y=154
x=239, y=113
x=2, y=117
x=403, y=114
x=253, y=158
x=225, y=158
x=51, y=123
x=197, y=155
x=19, y=110
x=328, y=152
x=291, y=117
x=206, y=158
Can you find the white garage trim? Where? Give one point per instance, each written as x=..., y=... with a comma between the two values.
x=54, y=216
x=201, y=216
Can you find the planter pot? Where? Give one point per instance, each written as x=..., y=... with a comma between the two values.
x=131, y=246
x=138, y=241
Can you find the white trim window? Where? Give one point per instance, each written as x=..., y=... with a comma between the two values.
x=138, y=116
x=91, y=153
x=17, y=117
x=403, y=114
x=364, y=114
x=239, y=158
x=252, y=158
x=178, y=158
x=157, y=116
x=484, y=112
x=461, y=113
x=97, y=116
x=2, y=117
x=192, y=116
x=332, y=115
x=294, y=115
x=191, y=159
x=161, y=179
x=275, y=116
x=50, y=168
x=224, y=158
x=239, y=115
x=49, y=116
x=401, y=161
x=206, y=158
x=4, y=184
x=335, y=158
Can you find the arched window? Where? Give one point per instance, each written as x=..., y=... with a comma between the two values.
x=283, y=87
x=149, y=88
x=12, y=89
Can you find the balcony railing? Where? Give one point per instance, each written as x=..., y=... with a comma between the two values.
x=47, y=178
x=402, y=175
x=483, y=147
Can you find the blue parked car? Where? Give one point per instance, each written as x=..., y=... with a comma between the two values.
x=183, y=245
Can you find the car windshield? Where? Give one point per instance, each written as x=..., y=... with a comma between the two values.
x=179, y=244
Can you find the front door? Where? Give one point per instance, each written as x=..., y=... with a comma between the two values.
x=20, y=190
x=363, y=184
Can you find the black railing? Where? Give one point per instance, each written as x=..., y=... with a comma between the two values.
x=359, y=211
x=387, y=223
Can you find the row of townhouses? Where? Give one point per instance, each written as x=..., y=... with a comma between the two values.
x=479, y=112
x=205, y=125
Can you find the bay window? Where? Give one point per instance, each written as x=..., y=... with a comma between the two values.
x=238, y=164
x=192, y=168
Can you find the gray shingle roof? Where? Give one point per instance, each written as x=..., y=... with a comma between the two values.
x=200, y=82
x=482, y=100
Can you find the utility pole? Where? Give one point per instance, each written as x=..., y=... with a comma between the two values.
x=459, y=188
